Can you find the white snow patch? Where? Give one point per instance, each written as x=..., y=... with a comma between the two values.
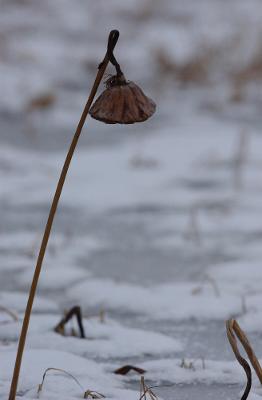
x=167, y=301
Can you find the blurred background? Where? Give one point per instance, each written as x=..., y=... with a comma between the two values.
x=175, y=200
x=203, y=55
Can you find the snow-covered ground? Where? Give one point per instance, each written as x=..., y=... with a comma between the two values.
x=159, y=226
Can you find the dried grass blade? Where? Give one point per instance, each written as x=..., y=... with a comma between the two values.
x=9, y=312
x=144, y=389
x=40, y=386
x=152, y=395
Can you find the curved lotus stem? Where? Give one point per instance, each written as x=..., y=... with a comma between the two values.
x=113, y=37
x=233, y=329
x=232, y=325
x=244, y=364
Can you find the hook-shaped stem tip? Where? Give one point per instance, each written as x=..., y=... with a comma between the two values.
x=112, y=41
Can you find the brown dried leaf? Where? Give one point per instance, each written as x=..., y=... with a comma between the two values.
x=93, y=395
x=126, y=368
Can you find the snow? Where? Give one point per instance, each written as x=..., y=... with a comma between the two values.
x=159, y=224
x=105, y=340
x=17, y=301
x=43, y=359
x=168, y=301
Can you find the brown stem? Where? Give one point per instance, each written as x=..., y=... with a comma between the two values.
x=247, y=346
x=76, y=310
x=230, y=326
x=102, y=67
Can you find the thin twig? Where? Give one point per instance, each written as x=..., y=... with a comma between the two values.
x=9, y=312
x=87, y=393
x=40, y=386
x=240, y=159
x=144, y=389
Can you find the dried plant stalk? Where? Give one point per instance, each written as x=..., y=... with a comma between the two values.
x=240, y=159
x=87, y=393
x=144, y=389
x=40, y=386
x=150, y=108
x=247, y=346
x=74, y=311
x=230, y=326
x=9, y=312
x=113, y=37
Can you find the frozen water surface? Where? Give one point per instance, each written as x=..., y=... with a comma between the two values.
x=159, y=226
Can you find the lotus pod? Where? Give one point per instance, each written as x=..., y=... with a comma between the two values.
x=122, y=102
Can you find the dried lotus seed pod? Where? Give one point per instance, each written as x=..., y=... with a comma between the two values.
x=122, y=102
